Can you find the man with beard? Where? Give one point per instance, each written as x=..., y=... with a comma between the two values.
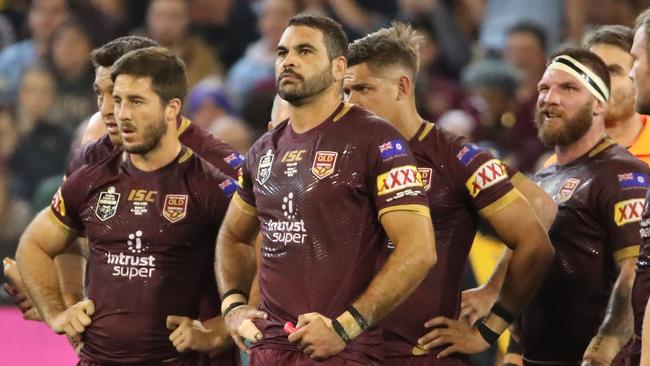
x=327, y=187
x=623, y=124
x=70, y=265
x=147, y=258
x=463, y=183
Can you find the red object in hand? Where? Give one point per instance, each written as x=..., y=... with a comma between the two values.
x=289, y=328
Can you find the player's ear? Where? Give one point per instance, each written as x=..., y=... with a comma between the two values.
x=600, y=108
x=404, y=86
x=339, y=66
x=173, y=109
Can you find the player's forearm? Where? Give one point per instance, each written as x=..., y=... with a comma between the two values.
x=70, y=268
x=495, y=282
x=398, y=278
x=40, y=278
x=234, y=264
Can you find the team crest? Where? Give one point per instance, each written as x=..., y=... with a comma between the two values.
x=175, y=207
x=264, y=167
x=107, y=204
x=566, y=191
x=425, y=173
x=324, y=163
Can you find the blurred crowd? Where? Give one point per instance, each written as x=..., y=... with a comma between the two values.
x=479, y=70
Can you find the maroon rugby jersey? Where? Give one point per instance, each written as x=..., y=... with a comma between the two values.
x=151, y=241
x=318, y=196
x=600, y=199
x=641, y=289
x=190, y=134
x=462, y=181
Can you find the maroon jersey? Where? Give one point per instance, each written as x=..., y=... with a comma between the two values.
x=151, y=239
x=641, y=288
x=190, y=134
x=600, y=201
x=319, y=196
x=462, y=181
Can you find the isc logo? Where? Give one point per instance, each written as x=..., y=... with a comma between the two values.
x=487, y=175
x=142, y=195
x=293, y=156
x=628, y=211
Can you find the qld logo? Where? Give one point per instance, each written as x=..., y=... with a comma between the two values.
x=175, y=208
x=324, y=163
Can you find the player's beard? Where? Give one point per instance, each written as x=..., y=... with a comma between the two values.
x=151, y=136
x=642, y=104
x=572, y=129
x=309, y=87
x=620, y=109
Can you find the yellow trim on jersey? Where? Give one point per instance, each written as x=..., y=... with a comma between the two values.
x=421, y=210
x=248, y=209
x=185, y=123
x=186, y=155
x=501, y=203
x=607, y=142
x=518, y=177
x=344, y=110
x=426, y=131
x=60, y=223
x=627, y=252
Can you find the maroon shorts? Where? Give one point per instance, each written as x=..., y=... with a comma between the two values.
x=426, y=361
x=630, y=354
x=229, y=357
x=275, y=357
x=189, y=360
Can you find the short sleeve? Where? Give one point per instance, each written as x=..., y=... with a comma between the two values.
x=395, y=180
x=244, y=197
x=484, y=178
x=621, y=204
x=65, y=206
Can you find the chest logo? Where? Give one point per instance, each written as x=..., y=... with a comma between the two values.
x=566, y=191
x=107, y=204
x=324, y=163
x=175, y=208
x=264, y=167
x=425, y=173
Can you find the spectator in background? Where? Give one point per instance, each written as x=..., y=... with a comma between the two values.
x=41, y=151
x=69, y=58
x=168, y=23
x=526, y=51
x=234, y=132
x=43, y=18
x=257, y=65
x=208, y=103
x=14, y=216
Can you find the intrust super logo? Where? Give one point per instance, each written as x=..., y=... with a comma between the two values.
x=399, y=178
x=138, y=264
x=628, y=211
x=284, y=232
x=487, y=175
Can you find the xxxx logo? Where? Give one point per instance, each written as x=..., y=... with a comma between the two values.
x=399, y=178
x=628, y=211
x=487, y=175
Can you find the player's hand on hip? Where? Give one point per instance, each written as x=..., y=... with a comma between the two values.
x=316, y=337
x=16, y=290
x=189, y=334
x=476, y=303
x=457, y=336
x=240, y=325
x=74, y=320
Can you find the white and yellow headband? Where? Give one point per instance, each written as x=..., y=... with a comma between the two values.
x=574, y=67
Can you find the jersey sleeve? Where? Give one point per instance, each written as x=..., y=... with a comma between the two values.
x=77, y=160
x=65, y=206
x=484, y=178
x=621, y=201
x=395, y=180
x=244, y=197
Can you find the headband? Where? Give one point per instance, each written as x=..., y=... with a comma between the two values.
x=574, y=67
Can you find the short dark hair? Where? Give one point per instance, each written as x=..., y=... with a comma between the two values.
x=397, y=45
x=107, y=54
x=166, y=70
x=334, y=37
x=587, y=58
x=614, y=35
x=533, y=29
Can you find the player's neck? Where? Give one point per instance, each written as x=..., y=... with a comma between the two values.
x=315, y=111
x=569, y=153
x=408, y=120
x=626, y=132
x=166, y=151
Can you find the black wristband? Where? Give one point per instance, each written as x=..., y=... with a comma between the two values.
x=232, y=306
x=488, y=334
x=502, y=312
x=340, y=331
x=234, y=291
x=363, y=324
